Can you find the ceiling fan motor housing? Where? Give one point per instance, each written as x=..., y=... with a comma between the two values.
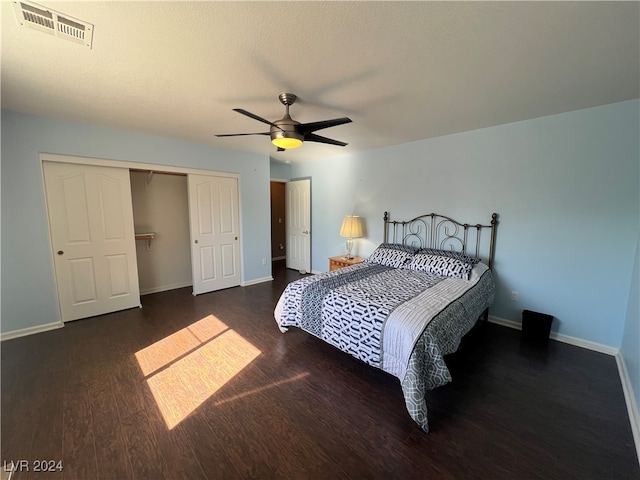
x=286, y=133
x=286, y=128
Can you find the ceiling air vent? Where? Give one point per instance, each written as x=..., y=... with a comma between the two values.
x=32, y=15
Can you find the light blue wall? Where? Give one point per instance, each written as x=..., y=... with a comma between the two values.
x=280, y=171
x=28, y=289
x=631, y=339
x=565, y=187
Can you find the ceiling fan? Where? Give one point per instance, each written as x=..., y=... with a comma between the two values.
x=286, y=133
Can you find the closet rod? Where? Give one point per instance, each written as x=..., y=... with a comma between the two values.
x=157, y=172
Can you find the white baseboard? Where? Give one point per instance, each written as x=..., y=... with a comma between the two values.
x=164, y=288
x=23, y=332
x=578, y=342
x=632, y=405
x=257, y=280
x=505, y=323
x=627, y=387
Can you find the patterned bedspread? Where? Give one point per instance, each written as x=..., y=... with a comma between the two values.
x=395, y=319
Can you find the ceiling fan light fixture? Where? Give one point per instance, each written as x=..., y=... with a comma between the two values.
x=286, y=140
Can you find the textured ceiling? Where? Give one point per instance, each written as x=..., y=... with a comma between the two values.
x=402, y=71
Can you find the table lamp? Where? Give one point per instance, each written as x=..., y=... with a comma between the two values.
x=351, y=228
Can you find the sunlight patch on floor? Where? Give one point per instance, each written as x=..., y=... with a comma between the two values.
x=264, y=387
x=185, y=368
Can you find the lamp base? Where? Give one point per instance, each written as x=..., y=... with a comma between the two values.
x=349, y=256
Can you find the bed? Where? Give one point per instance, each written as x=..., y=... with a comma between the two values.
x=407, y=305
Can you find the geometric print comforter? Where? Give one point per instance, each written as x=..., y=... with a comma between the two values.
x=395, y=319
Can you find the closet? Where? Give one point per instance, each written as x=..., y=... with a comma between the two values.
x=161, y=224
x=122, y=230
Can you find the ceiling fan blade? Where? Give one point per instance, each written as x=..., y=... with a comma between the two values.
x=313, y=126
x=312, y=137
x=254, y=116
x=241, y=134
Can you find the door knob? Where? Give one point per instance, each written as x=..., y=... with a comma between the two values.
x=60, y=252
x=196, y=241
x=306, y=232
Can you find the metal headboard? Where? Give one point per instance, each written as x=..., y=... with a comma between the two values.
x=438, y=231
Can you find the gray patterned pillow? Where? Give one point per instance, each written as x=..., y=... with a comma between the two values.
x=443, y=266
x=449, y=253
x=391, y=255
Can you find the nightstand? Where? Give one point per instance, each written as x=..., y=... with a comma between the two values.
x=342, y=261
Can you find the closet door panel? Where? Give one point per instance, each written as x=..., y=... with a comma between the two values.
x=93, y=243
x=215, y=232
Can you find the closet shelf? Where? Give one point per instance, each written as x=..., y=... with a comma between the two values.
x=145, y=236
x=148, y=236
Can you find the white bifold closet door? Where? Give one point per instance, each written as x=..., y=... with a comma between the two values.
x=91, y=225
x=215, y=232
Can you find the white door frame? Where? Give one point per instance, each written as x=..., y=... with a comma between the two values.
x=284, y=183
x=54, y=157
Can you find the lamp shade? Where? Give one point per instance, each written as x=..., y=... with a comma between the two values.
x=351, y=227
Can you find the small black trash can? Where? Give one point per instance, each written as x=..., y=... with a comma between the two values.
x=536, y=326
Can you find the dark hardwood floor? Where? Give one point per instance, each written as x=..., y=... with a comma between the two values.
x=208, y=388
